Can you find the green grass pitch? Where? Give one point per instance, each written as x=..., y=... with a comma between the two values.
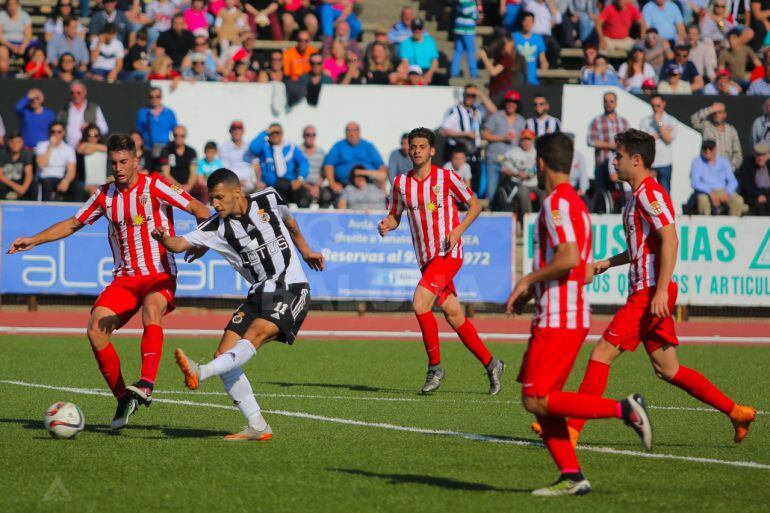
x=338, y=408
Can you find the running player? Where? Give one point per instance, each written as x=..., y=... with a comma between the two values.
x=562, y=245
x=429, y=195
x=648, y=219
x=144, y=273
x=254, y=233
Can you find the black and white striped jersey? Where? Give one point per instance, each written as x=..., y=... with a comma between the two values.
x=257, y=244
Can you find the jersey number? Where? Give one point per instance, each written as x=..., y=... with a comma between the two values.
x=280, y=309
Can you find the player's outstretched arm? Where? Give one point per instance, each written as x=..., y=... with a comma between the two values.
x=314, y=259
x=54, y=232
x=173, y=244
x=199, y=210
x=564, y=260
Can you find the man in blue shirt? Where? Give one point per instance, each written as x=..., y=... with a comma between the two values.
x=156, y=122
x=531, y=46
x=420, y=49
x=34, y=119
x=402, y=29
x=280, y=165
x=349, y=152
x=666, y=17
x=714, y=184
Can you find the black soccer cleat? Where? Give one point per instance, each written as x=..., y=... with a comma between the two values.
x=636, y=417
x=126, y=408
x=141, y=391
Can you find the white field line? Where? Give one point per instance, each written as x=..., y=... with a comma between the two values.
x=409, y=429
x=408, y=334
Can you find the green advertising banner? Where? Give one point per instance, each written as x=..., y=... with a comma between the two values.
x=723, y=261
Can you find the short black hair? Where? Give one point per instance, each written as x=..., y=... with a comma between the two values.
x=121, y=142
x=636, y=142
x=211, y=145
x=527, y=14
x=556, y=150
x=708, y=144
x=424, y=133
x=13, y=134
x=456, y=150
x=222, y=175
x=110, y=28
x=55, y=123
x=656, y=95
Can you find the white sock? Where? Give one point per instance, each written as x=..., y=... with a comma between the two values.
x=239, y=389
x=234, y=358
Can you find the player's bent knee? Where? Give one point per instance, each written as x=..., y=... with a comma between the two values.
x=535, y=405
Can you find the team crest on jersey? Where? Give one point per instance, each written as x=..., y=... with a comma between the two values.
x=556, y=217
x=176, y=188
x=144, y=198
x=238, y=318
x=138, y=220
x=263, y=216
x=656, y=208
x=436, y=190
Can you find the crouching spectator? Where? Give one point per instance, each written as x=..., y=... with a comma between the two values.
x=714, y=184
x=281, y=165
x=361, y=194
x=754, y=178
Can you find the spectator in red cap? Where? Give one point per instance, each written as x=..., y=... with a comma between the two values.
x=500, y=130
x=722, y=84
x=649, y=86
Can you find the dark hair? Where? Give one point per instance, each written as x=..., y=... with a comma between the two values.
x=110, y=28
x=734, y=32
x=88, y=128
x=56, y=123
x=66, y=54
x=137, y=132
x=527, y=14
x=424, y=133
x=222, y=175
x=456, y=150
x=142, y=34
x=656, y=95
x=211, y=145
x=708, y=144
x=352, y=177
x=121, y=142
x=636, y=142
x=556, y=150
x=13, y=134
x=405, y=135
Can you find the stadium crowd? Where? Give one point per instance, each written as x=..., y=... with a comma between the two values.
x=692, y=47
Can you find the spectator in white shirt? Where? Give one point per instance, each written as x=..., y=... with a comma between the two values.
x=232, y=153
x=79, y=113
x=663, y=128
x=459, y=164
x=107, y=54
x=56, y=160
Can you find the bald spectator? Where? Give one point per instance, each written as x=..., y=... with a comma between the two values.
x=349, y=152
x=402, y=30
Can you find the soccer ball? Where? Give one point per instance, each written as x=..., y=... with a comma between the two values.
x=64, y=420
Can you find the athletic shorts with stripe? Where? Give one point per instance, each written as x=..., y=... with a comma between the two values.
x=285, y=307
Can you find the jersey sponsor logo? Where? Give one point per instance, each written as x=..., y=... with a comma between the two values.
x=656, y=209
x=253, y=256
x=556, y=217
x=238, y=318
x=138, y=220
x=431, y=206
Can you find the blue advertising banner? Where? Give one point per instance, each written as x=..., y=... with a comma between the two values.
x=360, y=264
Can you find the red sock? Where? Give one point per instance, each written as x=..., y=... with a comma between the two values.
x=558, y=444
x=152, y=349
x=594, y=383
x=470, y=337
x=109, y=365
x=698, y=386
x=570, y=404
x=429, y=328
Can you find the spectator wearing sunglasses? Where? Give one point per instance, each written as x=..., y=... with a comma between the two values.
x=56, y=161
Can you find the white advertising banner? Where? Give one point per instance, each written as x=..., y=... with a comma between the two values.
x=723, y=261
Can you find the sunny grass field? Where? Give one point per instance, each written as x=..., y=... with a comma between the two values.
x=171, y=457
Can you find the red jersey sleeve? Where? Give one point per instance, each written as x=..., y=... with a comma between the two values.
x=170, y=194
x=557, y=212
x=396, y=200
x=457, y=188
x=655, y=206
x=92, y=209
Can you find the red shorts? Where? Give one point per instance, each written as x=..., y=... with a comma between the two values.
x=550, y=355
x=437, y=276
x=125, y=294
x=634, y=323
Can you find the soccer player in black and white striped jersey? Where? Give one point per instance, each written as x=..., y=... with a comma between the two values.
x=542, y=122
x=260, y=239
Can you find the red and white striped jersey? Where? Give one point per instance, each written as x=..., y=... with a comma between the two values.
x=133, y=214
x=563, y=218
x=648, y=210
x=431, y=205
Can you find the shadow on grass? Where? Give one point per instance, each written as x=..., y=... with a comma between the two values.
x=447, y=483
x=104, y=429
x=343, y=386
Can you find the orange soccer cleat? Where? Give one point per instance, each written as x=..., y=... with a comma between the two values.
x=251, y=434
x=742, y=417
x=574, y=434
x=189, y=368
